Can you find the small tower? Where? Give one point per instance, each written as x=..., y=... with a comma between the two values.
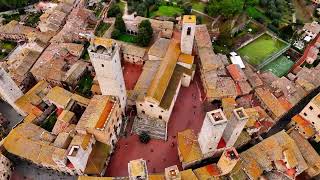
x=138, y=170
x=187, y=34
x=212, y=129
x=234, y=127
x=105, y=57
x=228, y=160
x=172, y=173
x=9, y=91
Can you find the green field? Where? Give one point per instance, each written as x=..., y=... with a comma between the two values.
x=279, y=66
x=169, y=11
x=261, y=48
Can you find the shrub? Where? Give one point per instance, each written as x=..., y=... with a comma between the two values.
x=144, y=137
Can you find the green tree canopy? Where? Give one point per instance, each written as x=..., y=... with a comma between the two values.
x=145, y=32
x=227, y=8
x=119, y=24
x=12, y=4
x=114, y=11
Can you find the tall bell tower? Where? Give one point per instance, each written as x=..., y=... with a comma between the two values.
x=187, y=34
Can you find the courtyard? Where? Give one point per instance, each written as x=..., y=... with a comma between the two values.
x=188, y=112
x=260, y=49
x=279, y=66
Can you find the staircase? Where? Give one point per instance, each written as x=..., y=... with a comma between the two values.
x=156, y=128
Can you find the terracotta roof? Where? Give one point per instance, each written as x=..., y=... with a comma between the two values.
x=59, y=96
x=236, y=72
x=188, y=175
x=207, y=172
x=270, y=101
x=132, y=49
x=162, y=78
x=307, y=128
x=188, y=146
x=186, y=58
x=97, y=113
x=159, y=48
x=202, y=37
x=94, y=178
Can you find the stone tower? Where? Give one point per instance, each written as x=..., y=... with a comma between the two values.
x=234, y=127
x=187, y=34
x=105, y=57
x=212, y=129
x=228, y=160
x=9, y=91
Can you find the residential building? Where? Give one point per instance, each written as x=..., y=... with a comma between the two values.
x=9, y=91
x=228, y=161
x=163, y=29
x=311, y=29
x=311, y=157
x=105, y=58
x=138, y=169
x=270, y=103
x=278, y=152
x=187, y=33
x=102, y=118
x=212, y=130
x=312, y=54
x=55, y=61
x=132, y=53
x=189, y=150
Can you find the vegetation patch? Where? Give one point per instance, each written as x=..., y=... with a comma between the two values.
x=84, y=85
x=33, y=19
x=6, y=47
x=8, y=18
x=102, y=28
x=49, y=123
x=170, y=11
x=279, y=66
x=199, y=6
x=128, y=38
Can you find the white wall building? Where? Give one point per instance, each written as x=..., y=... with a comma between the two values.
x=105, y=58
x=212, y=129
x=187, y=34
x=9, y=91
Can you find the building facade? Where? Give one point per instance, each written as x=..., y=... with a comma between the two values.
x=9, y=91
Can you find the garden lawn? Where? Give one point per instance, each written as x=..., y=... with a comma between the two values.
x=128, y=38
x=261, y=48
x=169, y=11
x=279, y=66
x=199, y=6
x=6, y=47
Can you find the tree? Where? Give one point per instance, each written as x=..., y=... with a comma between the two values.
x=141, y=9
x=227, y=8
x=144, y=137
x=114, y=10
x=145, y=32
x=12, y=4
x=119, y=24
x=115, y=34
x=146, y=24
x=143, y=37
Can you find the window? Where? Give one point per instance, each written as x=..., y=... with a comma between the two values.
x=189, y=31
x=160, y=117
x=140, y=104
x=143, y=112
x=312, y=122
x=102, y=65
x=318, y=115
x=305, y=114
x=310, y=107
x=151, y=105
